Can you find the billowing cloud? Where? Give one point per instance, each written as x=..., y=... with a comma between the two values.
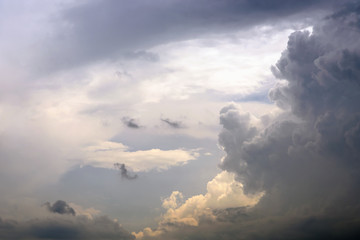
x=305, y=159
x=60, y=207
x=222, y=192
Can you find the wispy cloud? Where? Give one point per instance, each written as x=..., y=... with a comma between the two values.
x=124, y=172
x=130, y=122
x=171, y=123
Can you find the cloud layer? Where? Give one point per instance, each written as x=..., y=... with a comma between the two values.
x=84, y=37
x=63, y=228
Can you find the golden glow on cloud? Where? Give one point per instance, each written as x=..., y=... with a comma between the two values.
x=105, y=154
x=222, y=192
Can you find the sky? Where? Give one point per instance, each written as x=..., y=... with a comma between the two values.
x=179, y=119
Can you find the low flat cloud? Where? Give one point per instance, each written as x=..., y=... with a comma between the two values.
x=104, y=154
x=63, y=228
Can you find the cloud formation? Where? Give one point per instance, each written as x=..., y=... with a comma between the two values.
x=95, y=30
x=130, y=122
x=171, y=123
x=63, y=228
x=223, y=192
x=105, y=153
x=305, y=159
x=124, y=172
x=60, y=207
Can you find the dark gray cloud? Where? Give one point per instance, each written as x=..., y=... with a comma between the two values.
x=96, y=30
x=60, y=207
x=171, y=123
x=124, y=172
x=130, y=122
x=321, y=92
x=306, y=160
x=63, y=228
x=248, y=228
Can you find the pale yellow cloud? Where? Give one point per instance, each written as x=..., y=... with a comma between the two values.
x=222, y=192
x=105, y=154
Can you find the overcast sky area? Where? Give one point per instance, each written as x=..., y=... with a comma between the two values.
x=180, y=119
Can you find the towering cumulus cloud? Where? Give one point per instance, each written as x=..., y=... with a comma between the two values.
x=308, y=157
x=306, y=160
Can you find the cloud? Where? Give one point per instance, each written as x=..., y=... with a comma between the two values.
x=130, y=122
x=267, y=154
x=63, y=228
x=321, y=73
x=222, y=192
x=105, y=153
x=40, y=103
x=93, y=30
x=90, y=213
x=305, y=159
x=311, y=228
x=124, y=172
x=60, y=207
x=173, y=124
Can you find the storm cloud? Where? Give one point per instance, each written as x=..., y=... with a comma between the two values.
x=305, y=159
x=109, y=29
x=63, y=228
x=84, y=65
x=319, y=95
